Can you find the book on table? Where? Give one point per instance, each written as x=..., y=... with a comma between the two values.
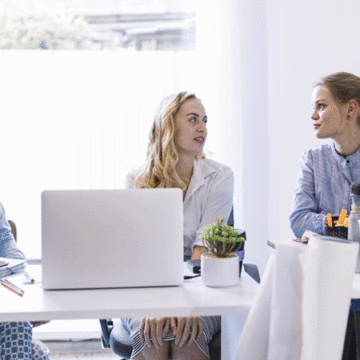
x=11, y=266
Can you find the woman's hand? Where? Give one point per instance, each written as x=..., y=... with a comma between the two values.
x=153, y=330
x=186, y=329
x=198, y=251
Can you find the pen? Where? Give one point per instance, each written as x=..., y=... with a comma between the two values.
x=12, y=287
x=271, y=244
x=28, y=278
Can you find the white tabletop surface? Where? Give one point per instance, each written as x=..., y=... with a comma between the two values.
x=192, y=298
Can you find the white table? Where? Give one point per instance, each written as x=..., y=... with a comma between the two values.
x=190, y=299
x=193, y=298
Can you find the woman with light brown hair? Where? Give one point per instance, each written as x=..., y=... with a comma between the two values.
x=175, y=159
x=321, y=187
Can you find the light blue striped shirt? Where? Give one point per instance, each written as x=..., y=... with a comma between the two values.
x=321, y=188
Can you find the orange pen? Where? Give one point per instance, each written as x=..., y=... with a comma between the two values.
x=329, y=220
x=342, y=217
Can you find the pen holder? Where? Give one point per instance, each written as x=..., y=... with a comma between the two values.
x=336, y=231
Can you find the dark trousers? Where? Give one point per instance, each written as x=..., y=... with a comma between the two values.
x=352, y=337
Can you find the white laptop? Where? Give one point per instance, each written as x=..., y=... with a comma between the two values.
x=112, y=238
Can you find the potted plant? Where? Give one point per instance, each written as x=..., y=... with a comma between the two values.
x=220, y=266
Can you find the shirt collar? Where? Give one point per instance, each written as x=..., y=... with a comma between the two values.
x=202, y=169
x=354, y=158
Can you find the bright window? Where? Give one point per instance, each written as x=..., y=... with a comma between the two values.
x=76, y=119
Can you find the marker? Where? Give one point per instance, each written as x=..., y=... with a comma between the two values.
x=28, y=278
x=329, y=220
x=12, y=287
x=342, y=217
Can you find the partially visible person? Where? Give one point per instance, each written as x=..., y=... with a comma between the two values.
x=175, y=159
x=321, y=187
x=16, y=340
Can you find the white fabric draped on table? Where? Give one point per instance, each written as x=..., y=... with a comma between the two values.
x=300, y=311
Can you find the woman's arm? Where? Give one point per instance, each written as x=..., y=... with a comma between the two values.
x=8, y=246
x=305, y=214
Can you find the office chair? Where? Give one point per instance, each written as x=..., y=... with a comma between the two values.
x=124, y=349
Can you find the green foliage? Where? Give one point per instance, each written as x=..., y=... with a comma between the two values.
x=220, y=239
x=37, y=24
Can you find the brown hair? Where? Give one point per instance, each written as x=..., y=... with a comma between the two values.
x=159, y=170
x=343, y=87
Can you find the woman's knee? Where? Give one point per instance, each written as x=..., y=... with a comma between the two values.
x=39, y=350
x=185, y=352
x=154, y=354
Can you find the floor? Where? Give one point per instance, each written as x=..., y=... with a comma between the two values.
x=80, y=350
x=74, y=339
x=84, y=356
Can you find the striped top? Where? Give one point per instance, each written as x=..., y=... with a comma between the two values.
x=321, y=188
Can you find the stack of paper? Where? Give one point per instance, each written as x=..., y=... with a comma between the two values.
x=14, y=266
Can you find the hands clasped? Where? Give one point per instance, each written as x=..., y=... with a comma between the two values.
x=185, y=329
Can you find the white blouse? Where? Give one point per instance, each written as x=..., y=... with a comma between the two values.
x=209, y=195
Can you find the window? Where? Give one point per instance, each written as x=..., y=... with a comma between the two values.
x=79, y=118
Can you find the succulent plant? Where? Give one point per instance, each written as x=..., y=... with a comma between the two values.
x=220, y=239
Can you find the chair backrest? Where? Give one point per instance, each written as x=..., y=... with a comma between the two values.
x=13, y=229
x=231, y=218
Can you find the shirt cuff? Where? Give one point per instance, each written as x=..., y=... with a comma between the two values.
x=319, y=224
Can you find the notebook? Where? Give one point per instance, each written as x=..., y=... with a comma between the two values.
x=112, y=238
x=11, y=266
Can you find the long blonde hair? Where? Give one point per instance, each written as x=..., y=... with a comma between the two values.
x=159, y=170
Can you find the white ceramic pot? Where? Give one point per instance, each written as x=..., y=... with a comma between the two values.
x=220, y=272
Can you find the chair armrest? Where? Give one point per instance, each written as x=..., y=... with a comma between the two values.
x=106, y=327
x=253, y=271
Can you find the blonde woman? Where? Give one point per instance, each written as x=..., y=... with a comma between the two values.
x=175, y=159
